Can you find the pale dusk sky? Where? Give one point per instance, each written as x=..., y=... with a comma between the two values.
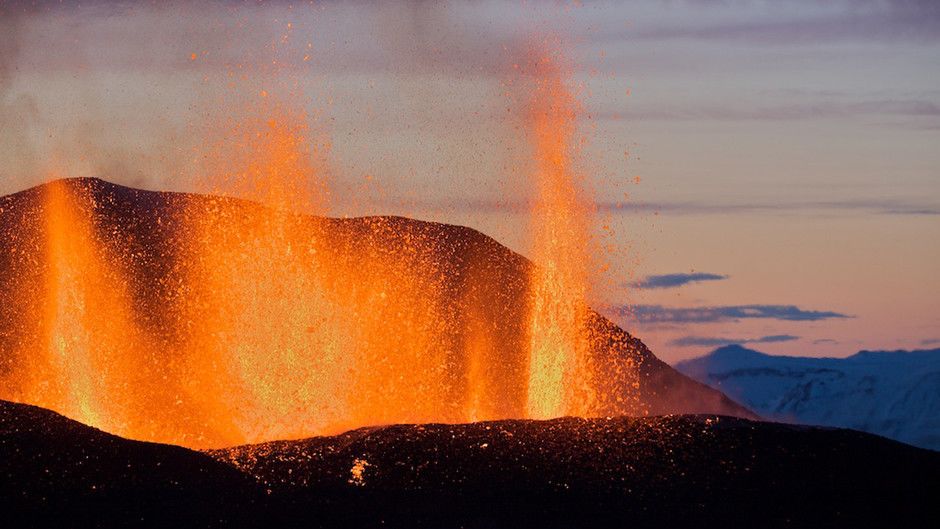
x=788, y=153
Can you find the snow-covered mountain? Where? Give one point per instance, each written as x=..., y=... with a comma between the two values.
x=891, y=393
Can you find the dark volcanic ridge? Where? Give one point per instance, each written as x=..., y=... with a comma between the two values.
x=671, y=471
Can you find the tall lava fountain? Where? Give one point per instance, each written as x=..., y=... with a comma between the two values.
x=560, y=375
x=293, y=339
x=84, y=355
x=266, y=340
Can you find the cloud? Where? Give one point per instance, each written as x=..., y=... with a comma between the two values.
x=825, y=341
x=798, y=111
x=704, y=341
x=875, y=206
x=676, y=280
x=811, y=24
x=514, y=206
x=659, y=314
x=930, y=341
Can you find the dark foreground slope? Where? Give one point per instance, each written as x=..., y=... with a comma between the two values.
x=55, y=472
x=676, y=471
x=671, y=471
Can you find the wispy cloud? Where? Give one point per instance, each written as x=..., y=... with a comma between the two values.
x=874, y=206
x=822, y=341
x=930, y=341
x=813, y=23
x=706, y=341
x=660, y=314
x=676, y=280
x=798, y=111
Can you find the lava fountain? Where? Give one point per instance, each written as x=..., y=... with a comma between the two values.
x=293, y=338
x=560, y=375
x=267, y=342
x=216, y=321
x=84, y=353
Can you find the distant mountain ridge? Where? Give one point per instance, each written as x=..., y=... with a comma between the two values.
x=891, y=393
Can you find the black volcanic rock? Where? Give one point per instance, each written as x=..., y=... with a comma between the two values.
x=672, y=471
x=55, y=472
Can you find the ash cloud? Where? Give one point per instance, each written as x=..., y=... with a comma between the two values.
x=64, y=111
x=130, y=92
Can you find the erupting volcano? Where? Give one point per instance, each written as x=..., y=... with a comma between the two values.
x=244, y=354
x=208, y=321
x=239, y=323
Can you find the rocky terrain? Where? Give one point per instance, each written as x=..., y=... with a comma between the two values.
x=672, y=471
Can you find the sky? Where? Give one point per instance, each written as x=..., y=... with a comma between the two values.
x=770, y=171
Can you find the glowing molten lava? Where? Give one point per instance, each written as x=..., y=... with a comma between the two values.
x=209, y=321
x=267, y=342
x=293, y=337
x=85, y=348
x=560, y=378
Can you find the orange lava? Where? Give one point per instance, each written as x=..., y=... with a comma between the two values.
x=560, y=379
x=84, y=354
x=265, y=342
x=259, y=322
x=292, y=338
